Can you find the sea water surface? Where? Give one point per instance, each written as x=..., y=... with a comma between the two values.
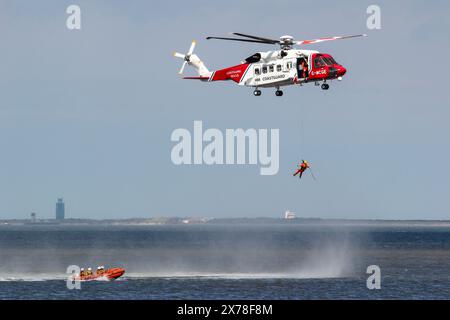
x=228, y=261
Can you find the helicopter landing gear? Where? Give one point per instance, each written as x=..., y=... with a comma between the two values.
x=257, y=92
x=278, y=93
x=325, y=86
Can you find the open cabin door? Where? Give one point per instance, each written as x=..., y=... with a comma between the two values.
x=303, y=67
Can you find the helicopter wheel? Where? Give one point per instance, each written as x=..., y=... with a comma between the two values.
x=257, y=93
x=278, y=93
x=325, y=86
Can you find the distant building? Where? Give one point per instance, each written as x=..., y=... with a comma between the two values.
x=289, y=215
x=60, y=212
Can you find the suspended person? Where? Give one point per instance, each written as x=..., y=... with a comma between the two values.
x=301, y=168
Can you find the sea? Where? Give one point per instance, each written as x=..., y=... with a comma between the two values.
x=230, y=261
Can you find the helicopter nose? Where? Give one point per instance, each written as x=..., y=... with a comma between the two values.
x=341, y=71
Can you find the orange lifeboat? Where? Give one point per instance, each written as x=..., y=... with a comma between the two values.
x=108, y=274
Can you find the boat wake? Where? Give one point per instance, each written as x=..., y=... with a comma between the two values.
x=40, y=277
x=32, y=277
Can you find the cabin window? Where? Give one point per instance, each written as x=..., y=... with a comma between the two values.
x=278, y=67
x=289, y=65
x=264, y=69
x=257, y=72
x=271, y=68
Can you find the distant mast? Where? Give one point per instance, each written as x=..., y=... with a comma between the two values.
x=60, y=211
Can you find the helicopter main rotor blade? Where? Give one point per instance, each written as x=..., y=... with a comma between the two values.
x=274, y=41
x=328, y=39
x=243, y=40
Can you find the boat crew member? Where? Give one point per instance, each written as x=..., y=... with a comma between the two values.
x=100, y=270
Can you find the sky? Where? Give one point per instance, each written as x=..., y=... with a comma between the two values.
x=87, y=114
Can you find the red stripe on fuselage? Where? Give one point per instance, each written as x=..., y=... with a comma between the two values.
x=232, y=73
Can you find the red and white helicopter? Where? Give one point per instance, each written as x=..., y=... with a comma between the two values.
x=278, y=68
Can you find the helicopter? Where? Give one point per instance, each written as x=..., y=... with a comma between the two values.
x=272, y=69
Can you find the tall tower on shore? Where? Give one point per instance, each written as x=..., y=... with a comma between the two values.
x=60, y=209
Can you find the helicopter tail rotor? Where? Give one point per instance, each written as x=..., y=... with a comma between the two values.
x=186, y=57
x=192, y=59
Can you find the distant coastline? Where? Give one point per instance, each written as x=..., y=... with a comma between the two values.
x=247, y=221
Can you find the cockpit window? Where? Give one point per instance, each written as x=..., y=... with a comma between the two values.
x=329, y=61
x=318, y=62
x=322, y=61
